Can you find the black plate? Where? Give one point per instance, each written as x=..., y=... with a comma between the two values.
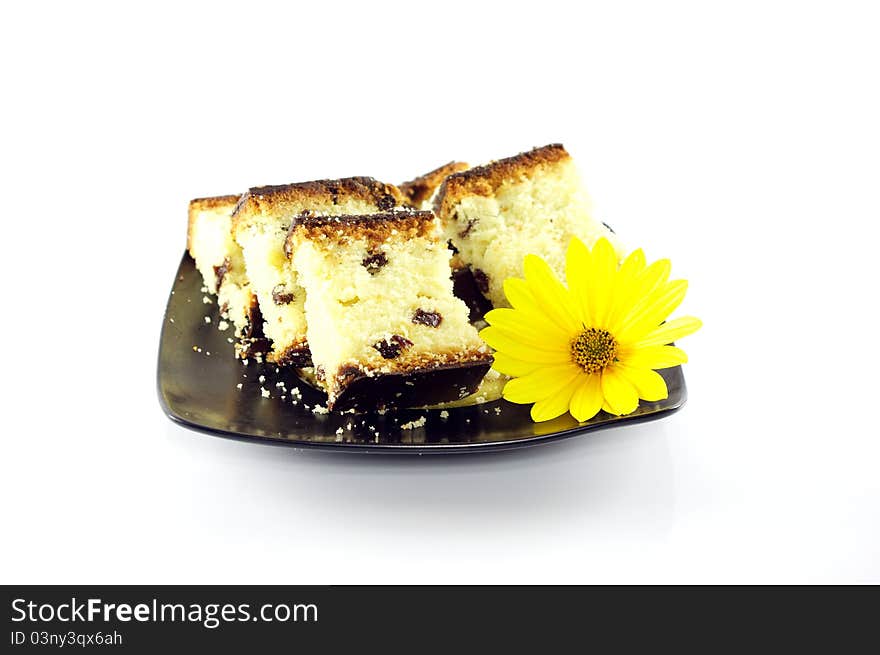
x=198, y=390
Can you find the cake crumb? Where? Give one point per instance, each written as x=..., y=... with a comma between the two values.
x=320, y=409
x=207, y=319
x=222, y=326
x=498, y=411
x=444, y=415
x=264, y=392
x=412, y=425
x=206, y=300
x=171, y=319
x=339, y=430
x=238, y=386
x=262, y=378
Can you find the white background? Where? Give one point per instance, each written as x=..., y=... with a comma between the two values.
x=739, y=139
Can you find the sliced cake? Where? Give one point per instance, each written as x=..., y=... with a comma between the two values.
x=219, y=259
x=383, y=325
x=260, y=224
x=419, y=193
x=496, y=214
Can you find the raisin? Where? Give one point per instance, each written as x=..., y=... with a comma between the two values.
x=467, y=230
x=431, y=319
x=374, y=261
x=254, y=326
x=482, y=280
x=391, y=347
x=221, y=271
x=280, y=296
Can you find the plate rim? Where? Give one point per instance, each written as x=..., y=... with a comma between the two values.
x=420, y=449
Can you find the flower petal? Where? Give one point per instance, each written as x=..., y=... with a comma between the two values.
x=652, y=357
x=653, y=277
x=578, y=269
x=540, y=384
x=649, y=384
x=527, y=327
x=620, y=395
x=603, y=270
x=587, y=399
x=532, y=339
x=509, y=365
x=555, y=405
x=671, y=331
x=503, y=342
x=549, y=293
x=624, y=292
x=652, y=310
x=519, y=295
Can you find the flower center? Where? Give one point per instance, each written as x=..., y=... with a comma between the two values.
x=593, y=349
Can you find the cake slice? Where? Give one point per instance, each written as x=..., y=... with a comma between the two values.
x=260, y=223
x=496, y=214
x=419, y=193
x=219, y=259
x=383, y=325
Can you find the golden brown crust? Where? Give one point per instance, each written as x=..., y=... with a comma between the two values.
x=201, y=204
x=375, y=228
x=423, y=187
x=485, y=180
x=319, y=196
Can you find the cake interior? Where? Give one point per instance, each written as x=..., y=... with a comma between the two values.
x=495, y=215
x=379, y=300
x=281, y=299
x=219, y=258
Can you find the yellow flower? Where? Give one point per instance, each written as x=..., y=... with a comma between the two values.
x=595, y=344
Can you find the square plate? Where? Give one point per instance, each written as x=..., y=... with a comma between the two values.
x=198, y=374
